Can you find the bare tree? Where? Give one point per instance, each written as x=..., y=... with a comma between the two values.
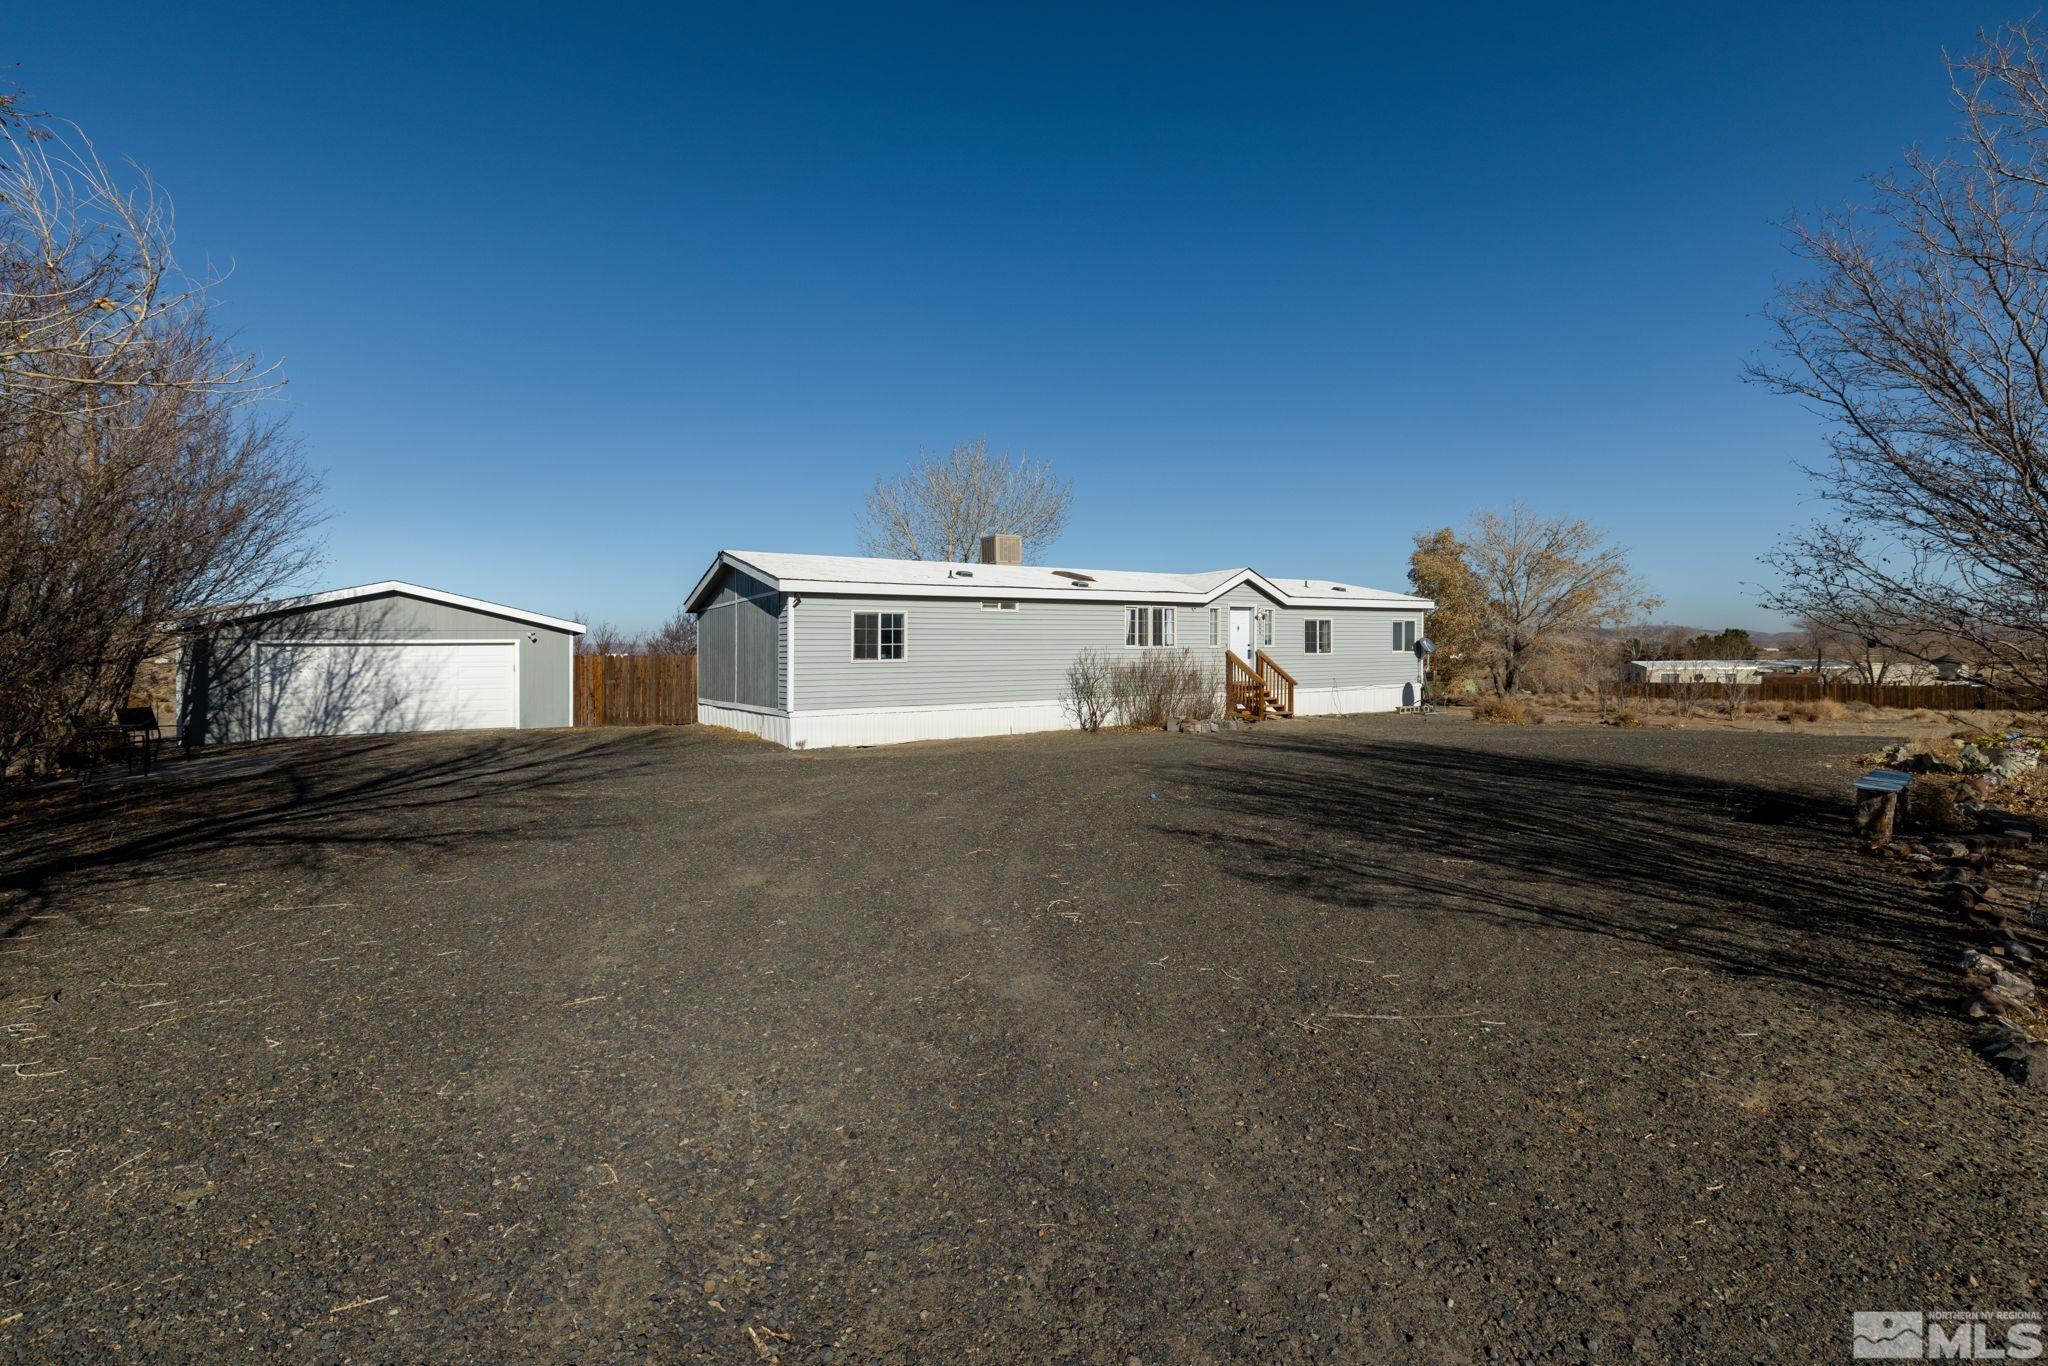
x=1688, y=689
x=941, y=507
x=603, y=638
x=1735, y=691
x=676, y=636
x=1549, y=582
x=138, y=484
x=1921, y=335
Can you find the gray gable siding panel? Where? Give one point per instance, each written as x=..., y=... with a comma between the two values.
x=739, y=644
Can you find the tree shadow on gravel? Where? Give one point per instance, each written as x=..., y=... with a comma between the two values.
x=1743, y=878
x=396, y=794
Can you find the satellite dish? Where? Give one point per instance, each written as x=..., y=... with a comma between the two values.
x=1425, y=647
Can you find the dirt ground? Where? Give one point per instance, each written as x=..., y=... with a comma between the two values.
x=1386, y=1038
x=1772, y=718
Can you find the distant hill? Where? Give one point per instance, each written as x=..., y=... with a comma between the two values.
x=1783, y=640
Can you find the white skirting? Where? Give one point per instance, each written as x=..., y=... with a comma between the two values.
x=769, y=725
x=1345, y=701
x=893, y=725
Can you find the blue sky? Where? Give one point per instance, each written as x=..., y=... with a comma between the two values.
x=570, y=297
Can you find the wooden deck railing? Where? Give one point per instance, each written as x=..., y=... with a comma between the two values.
x=1279, y=685
x=1243, y=694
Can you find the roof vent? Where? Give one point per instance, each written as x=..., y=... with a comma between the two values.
x=1338, y=588
x=962, y=573
x=1080, y=580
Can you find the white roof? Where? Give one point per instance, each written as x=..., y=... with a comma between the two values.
x=789, y=573
x=389, y=586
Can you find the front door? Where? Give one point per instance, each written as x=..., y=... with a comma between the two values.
x=1241, y=633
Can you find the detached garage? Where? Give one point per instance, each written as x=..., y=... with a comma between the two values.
x=383, y=657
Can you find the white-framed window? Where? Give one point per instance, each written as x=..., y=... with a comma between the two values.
x=1266, y=626
x=1215, y=626
x=1404, y=636
x=1315, y=636
x=1148, y=628
x=877, y=636
x=999, y=606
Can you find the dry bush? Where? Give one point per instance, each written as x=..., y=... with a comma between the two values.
x=1505, y=711
x=1087, y=697
x=1935, y=804
x=1157, y=686
x=1626, y=719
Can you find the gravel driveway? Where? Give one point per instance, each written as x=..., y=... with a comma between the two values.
x=1358, y=1039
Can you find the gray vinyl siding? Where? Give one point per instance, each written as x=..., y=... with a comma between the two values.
x=739, y=644
x=953, y=651
x=1362, y=650
x=957, y=653
x=216, y=702
x=1361, y=640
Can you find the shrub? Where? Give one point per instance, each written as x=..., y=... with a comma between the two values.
x=1936, y=806
x=1157, y=686
x=1087, y=698
x=1626, y=719
x=1504, y=711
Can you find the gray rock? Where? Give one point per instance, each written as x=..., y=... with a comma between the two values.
x=2011, y=981
x=2023, y=1061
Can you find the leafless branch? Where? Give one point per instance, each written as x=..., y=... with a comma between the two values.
x=941, y=507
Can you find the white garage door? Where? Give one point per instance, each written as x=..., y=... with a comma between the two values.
x=343, y=688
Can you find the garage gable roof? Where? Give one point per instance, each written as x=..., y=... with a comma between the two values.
x=402, y=589
x=937, y=579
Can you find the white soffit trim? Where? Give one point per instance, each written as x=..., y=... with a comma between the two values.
x=403, y=589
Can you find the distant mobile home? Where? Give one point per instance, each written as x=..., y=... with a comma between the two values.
x=813, y=651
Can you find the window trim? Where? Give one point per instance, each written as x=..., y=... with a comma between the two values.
x=1214, y=638
x=1171, y=620
x=998, y=604
x=1405, y=626
x=1263, y=620
x=853, y=617
x=1319, y=628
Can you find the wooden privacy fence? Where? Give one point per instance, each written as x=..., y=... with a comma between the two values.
x=636, y=690
x=1907, y=696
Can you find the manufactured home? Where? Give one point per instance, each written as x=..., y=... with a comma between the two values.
x=812, y=651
